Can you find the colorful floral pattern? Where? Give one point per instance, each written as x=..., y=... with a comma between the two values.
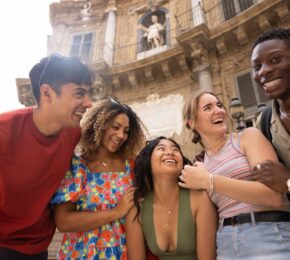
x=94, y=191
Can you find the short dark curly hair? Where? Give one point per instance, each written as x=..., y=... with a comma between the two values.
x=272, y=34
x=143, y=170
x=99, y=117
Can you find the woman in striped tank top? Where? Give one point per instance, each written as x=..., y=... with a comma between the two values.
x=254, y=219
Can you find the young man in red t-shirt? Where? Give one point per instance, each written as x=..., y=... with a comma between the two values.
x=36, y=146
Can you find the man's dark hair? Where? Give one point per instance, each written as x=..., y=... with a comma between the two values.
x=274, y=34
x=56, y=70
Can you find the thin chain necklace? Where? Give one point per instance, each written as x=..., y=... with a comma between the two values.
x=169, y=213
x=104, y=163
x=284, y=113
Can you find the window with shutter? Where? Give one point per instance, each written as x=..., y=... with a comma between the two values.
x=82, y=46
x=233, y=7
x=249, y=93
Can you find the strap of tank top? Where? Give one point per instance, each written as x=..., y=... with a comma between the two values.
x=236, y=142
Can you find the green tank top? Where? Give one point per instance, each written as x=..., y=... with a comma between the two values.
x=186, y=241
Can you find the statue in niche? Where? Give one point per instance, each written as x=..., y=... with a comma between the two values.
x=85, y=12
x=154, y=33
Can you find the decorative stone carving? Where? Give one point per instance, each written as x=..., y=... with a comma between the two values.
x=116, y=82
x=132, y=79
x=86, y=11
x=162, y=116
x=165, y=69
x=199, y=54
x=283, y=12
x=111, y=6
x=153, y=97
x=221, y=46
x=264, y=23
x=148, y=74
x=241, y=36
x=182, y=63
x=150, y=5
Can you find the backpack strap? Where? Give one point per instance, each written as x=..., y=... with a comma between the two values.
x=265, y=128
x=266, y=123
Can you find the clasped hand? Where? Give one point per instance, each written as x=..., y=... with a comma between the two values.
x=272, y=174
x=194, y=177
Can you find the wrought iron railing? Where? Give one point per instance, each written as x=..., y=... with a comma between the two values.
x=212, y=18
x=218, y=14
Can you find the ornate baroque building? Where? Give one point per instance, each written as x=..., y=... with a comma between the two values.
x=151, y=54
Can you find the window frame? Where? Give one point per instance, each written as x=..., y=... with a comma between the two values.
x=81, y=46
x=251, y=111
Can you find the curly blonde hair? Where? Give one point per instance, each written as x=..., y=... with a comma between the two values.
x=99, y=117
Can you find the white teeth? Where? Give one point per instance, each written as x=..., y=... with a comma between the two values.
x=218, y=121
x=115, y=142
x=79, y=113
x=170, y=161
x=271, y=83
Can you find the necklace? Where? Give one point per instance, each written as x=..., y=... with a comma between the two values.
x=167, y=212
x=104, y=163
x=167, y=221
x=284, y=113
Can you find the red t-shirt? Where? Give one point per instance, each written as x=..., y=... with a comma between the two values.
x=31, y=169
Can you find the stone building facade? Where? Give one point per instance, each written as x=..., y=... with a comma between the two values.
x=198, y=44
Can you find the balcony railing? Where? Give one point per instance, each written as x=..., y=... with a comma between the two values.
x=218, y=14
x=130, y=53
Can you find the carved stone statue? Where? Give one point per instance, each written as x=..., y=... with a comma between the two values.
x=154, y=33
x=85, y=12
x=198, y=54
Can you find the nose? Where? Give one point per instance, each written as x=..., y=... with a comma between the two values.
x=121, y=134
x=169, y=151
x=87, y=102
x=219, y=109
x=264, y=70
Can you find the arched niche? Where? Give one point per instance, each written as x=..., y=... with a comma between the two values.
x=145, y=22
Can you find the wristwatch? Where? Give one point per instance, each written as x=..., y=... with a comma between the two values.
x=288, y=184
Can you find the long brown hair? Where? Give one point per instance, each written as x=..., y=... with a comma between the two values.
x=190, y=108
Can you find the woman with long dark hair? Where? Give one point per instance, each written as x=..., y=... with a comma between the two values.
x=177, y=223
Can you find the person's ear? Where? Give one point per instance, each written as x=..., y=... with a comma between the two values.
x=191, y=123
x=45, y=92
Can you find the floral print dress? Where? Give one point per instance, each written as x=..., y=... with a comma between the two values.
x=94, y=191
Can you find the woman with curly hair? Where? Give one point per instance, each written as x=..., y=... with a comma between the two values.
x=176, y=223
x=96, y=193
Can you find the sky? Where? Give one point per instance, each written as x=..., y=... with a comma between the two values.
x=24, y=27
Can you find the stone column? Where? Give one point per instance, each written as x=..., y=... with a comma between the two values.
x=204, y=78
x=201, y=67
x=110, y=32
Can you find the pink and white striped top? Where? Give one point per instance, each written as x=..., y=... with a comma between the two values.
x=230, y=162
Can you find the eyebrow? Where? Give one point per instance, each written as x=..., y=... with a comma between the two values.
x=206, y=105
x=270, y=52
x=116, y=122
x=83, y=89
